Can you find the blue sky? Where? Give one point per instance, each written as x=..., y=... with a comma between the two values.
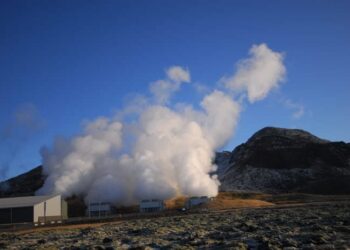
x=63, y=62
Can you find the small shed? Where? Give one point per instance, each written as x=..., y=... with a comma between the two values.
x=153, y=205
x=33, y=209
x=99, y=209
x=195, y=201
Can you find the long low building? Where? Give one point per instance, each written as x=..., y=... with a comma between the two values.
x=34, y=209
x=99, y=209
x=152, y=205
x=196, y=201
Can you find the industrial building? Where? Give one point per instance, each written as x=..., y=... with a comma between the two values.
x=151, y=205
x=99, y=209
x=195, y=201
x=33, y=209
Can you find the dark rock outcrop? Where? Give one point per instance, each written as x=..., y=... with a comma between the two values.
x=287, y=160
x=23, y=185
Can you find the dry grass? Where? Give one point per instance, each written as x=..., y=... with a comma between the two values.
x=242, y=195
x=176, y=203
x=218, y=204
x=225, y=200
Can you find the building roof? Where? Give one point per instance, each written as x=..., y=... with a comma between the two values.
x=26, y=201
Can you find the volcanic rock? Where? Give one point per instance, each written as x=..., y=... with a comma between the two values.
x=278, y=160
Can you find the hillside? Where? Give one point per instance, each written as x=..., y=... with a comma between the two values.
x=276, y=160
x=23, y=185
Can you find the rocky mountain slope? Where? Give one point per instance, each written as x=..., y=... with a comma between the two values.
x=276, y=160
x=23, y=185
x=273, y=160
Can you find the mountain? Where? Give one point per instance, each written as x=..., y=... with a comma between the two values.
x=23, y=185
x=276, y=160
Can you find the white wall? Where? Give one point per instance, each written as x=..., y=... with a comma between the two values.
x=53, y=208
x=38, y=211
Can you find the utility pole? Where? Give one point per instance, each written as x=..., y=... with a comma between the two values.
x=45, y=212
x=89, y=209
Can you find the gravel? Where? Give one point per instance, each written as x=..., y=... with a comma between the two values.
x=323, y=226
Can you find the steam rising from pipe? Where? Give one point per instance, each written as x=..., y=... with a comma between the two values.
x=165, y=152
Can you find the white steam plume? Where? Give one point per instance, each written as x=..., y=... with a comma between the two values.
x=165, y=152
x=72, y=164
x=297, y=108
x=258, y=74
x=162, y=89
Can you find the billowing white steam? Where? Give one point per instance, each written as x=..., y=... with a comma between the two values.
x=258, y=74
x=162, y=89
x=164, y=153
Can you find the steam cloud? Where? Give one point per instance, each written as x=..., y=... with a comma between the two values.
x=162, y=89
x=260, y=73
x=297, y=108
x=166, y=151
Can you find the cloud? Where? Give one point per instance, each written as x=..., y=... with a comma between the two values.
x=201, y=88
x=258, y=74
x=27, y=116
x=163, y=89
x=178, y=74
x=25, y=121
x=297, y=108
x=134, y=104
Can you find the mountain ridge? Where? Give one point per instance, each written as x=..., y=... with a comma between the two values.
x=278, y=160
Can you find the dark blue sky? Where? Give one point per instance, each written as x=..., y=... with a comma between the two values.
x=67, y=61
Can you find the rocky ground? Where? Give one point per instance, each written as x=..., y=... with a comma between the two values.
x=322, y=226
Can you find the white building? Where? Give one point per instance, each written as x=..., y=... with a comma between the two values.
x=99, y=209
x=152, y=205
x=195, y=201
x=34, y=209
